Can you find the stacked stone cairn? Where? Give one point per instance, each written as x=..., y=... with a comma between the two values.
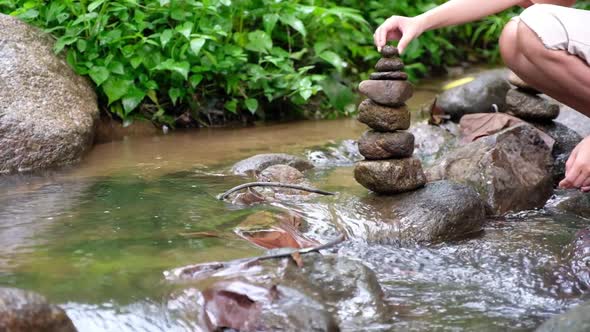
x=389, y=167
x=524, y=102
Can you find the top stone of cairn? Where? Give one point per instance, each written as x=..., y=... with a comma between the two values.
x=389, y=51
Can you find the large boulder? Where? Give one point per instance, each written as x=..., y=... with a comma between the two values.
x=441, y=211
x=258, y=163
x=47, y=112
x=432, y=142
x=571, y=201
x=24, y=311
x=477, y=96
x=511, y=170
x=566, y=140
x=573, y=320
x=574, y=120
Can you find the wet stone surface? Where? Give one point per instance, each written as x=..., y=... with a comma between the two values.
x=376, y=145
x=391, y=176
x=387, y=93
x=383, y=118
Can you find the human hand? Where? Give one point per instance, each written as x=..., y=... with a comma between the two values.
x=404, y=29
x=577, y=168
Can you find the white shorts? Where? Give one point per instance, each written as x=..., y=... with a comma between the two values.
x=560, y=28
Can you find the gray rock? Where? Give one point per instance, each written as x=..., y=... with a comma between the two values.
x=566, y=140
x=530, y=107
x=391, y=76
x=389, y=51
x=345, y=153
x=383, y=118
x=390, y=176
x=389, y=64
x=47, y=112
x=387, y=93
x=284, y=174
x=441, y=211
x=574, y=120
x=376, y=145
x=570, y=201
x=432, y=142
x=573, y=320
x=24, y=311
x=258, y=163
x=511, y=170
x=477, y=96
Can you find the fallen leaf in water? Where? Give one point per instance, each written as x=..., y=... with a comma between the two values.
x=437, y=114
x=271, y=231
x=474, y=126
x=297, y=259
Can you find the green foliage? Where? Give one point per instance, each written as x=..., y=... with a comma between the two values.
x=167, y=60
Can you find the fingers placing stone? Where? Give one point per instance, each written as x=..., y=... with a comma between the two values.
x=383, y=118
x=378, y=145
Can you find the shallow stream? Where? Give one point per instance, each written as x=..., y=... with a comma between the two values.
x=96, y=238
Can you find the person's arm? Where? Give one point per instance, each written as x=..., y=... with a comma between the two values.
x=453, y=12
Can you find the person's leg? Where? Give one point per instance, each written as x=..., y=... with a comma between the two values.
x=556, y=73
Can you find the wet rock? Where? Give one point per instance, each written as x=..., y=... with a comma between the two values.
x=511, y=170
x=345, y=153
x=376, y=145
x=573, y=320
x=566, y=140
x=432, y=142
x=387, y=93
x=389, y=51
x=477, y=96
x=392, y=76
x=520, y=84
x=441, y=211
x=530, y=107
x=47, y=112
x=258, y=163
x=574, y=120
x=389, y=64
x=571, y=201
x=24, y=311
x=382, y=118
x=579, y=258
x=390, y=176
x=284, y=174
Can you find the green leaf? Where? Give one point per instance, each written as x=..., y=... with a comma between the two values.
x=95, y=4
x=232, y=106
x=252, y=105
x=195, y=80
x=294, y=23
x=333, y=58
x=116, y=67
x=99, y=74
x=259, y=41
x=63, y=42
x=181, y=67
x=185, y=29
x=197, y=44
x=270, y=21
x=175, y=94
x=132, y=99
x=116, y=88
x=226, y=3
x=136, y=61
x=166, y=36
x=81, y=45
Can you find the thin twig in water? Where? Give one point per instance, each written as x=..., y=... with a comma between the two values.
x=223, y=196
x=328, y=245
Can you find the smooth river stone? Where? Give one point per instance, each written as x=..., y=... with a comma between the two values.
x=388, y=93
x=530, y=107
x=390, y=176
x=389, y=75
x=376, y=145
x=383, y=118
x=389, y=64
x=389, y=51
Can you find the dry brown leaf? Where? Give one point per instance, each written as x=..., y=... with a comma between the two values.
x=297, y=259
x=474, y=126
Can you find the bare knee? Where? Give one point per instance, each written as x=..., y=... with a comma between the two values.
x=528, y=41
x=508, y=44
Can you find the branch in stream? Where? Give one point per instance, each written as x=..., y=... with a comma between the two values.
x=223, y=196
x=328, y=245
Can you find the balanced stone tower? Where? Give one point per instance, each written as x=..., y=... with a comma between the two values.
x=389, y=167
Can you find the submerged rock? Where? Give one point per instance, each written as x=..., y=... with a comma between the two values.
x=432, y=142
x=566, y=140
x=477, y=96
x=441, y=211
x=570, y=201
x=511, y=170
x=573, y=320
x=375, y=145
x=257, y=163
x=47, y=112
x=383, y=118
x=24, y=311
x=387, y=93
x=345, y=153
x=390, y=176
x=530, y=107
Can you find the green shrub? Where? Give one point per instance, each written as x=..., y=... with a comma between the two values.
x=205, y=62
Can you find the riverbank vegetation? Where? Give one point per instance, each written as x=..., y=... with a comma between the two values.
x=213, y=62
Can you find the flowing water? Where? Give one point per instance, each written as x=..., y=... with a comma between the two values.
x=96, y=238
